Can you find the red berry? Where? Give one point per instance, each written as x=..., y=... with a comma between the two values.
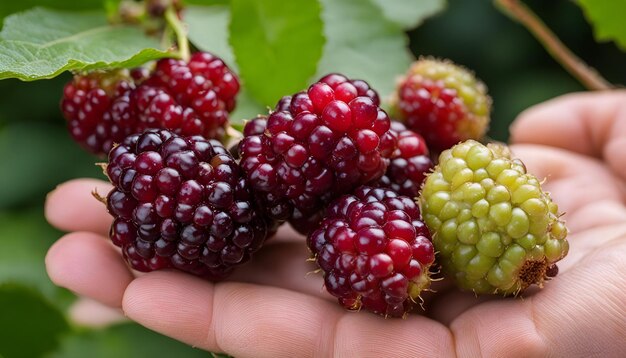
x=443, y=102
x=374, y=251
x=97, y=109
x=187, y=98
x=316, y=146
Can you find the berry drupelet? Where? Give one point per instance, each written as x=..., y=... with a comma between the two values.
x=181, y=202
x=317, y=145
x=374, y=251
x=409, y=164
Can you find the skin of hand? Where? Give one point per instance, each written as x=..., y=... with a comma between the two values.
x=272, y=308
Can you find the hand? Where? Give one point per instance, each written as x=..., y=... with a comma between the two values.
x=272, y=308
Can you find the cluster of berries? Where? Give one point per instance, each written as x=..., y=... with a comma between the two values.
x=193, y=98
x=329, y=161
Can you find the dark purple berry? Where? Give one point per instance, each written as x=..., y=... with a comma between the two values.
x=182, y=202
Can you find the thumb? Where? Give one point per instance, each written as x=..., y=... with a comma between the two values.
x=592, y=124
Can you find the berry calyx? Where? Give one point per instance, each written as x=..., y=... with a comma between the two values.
x=443, y=102
x=181, y=202
x=494, y=228
x=374, y=251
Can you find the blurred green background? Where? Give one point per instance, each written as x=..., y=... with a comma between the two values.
x=36, y=154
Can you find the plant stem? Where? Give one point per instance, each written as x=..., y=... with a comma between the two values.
x=181, y=33
x=589, y=77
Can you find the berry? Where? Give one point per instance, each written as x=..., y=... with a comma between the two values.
x=409, y=165
x=192, y=98
x=181, y=202
x=494, y=228
x=443, y=102
x=255, y=126
x=189, y=98
x=374, y=251
x=96, y=107
x=315, y=146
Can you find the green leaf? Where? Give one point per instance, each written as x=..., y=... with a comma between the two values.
x=409, y=13
x=208, y=30
x=362, y=44
x=277, y=45
x=24, y=240
x=50, y=158
x=247, y=108
x=9, y=7
x=126, y=340
x=30, y=325
x=42, y=43
x=607, y=17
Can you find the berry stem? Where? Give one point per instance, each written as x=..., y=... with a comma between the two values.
x=181, y=33
x=588, y=76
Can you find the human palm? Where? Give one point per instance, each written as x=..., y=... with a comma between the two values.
x=272, y=307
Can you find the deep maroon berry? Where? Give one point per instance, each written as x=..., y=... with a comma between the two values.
x=409, y=165
x=181, y=202
x=315, y=146
x=374, y=251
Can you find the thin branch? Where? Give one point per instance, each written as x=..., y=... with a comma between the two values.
x=588, y=76
x=181, y=33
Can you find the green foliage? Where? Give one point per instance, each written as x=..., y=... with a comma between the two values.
x=362, y=44
x=42, y=43
x=16, y=101
x=30, y=325
x=277, y=45
x=123, y=341
x=208, y=30
x=10, y=7
x=409, y=13
x=25, y=238
x=607, y=17
x=37, y=160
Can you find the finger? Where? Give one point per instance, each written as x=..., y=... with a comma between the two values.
x=88, y=265
x=247, y=320
x=592, y=124
x=579, y=313
x=573, y=180
x=90, y=313
x=596, y=214
x=72, y=207
x=283, y=265
x=449, y=304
